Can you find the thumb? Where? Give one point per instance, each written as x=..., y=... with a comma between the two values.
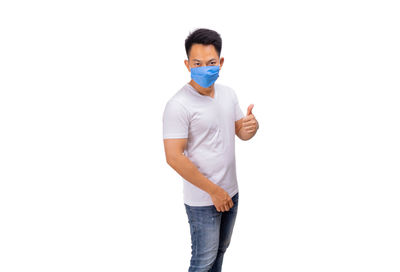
x=249, y=109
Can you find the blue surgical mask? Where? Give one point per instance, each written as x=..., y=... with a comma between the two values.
x=205, y=76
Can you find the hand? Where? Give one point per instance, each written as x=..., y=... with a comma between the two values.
x=250, y=124
x=221, y=199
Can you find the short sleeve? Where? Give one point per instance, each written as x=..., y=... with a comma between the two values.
x=238, y=111
x=175, y=120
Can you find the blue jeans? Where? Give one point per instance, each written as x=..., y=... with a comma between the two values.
x=210, y=233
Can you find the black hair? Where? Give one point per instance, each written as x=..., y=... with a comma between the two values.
x=204, y=36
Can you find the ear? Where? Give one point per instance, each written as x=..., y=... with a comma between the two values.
x=187, y=65
x=221, y=62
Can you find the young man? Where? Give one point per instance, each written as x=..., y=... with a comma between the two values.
x=199, y=126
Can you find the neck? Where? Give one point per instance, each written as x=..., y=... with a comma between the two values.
x=204, y=91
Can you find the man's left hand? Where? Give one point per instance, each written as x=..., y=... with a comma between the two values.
x=250, y=123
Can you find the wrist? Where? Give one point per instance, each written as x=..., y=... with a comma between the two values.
x=213, y=188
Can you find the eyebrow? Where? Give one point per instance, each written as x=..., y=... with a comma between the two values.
x=207, y=61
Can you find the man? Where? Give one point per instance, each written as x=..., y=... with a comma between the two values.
x=199, y=126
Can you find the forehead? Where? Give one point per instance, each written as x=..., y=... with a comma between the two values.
x=203, y=52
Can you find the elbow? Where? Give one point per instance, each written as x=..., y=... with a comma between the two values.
x=172, y=160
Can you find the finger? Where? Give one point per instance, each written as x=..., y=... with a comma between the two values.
x=227, y=207
x=252, y=127
x=249, y=128
x=248, y=118
x=228, y=204
x=247, y=123
x=249, y=109
x=231, y=203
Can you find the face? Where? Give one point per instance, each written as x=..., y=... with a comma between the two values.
x=203, y=55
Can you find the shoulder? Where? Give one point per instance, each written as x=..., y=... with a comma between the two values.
x=177, y=103
x=227, y=90
x=223, y=87
x=179, y=99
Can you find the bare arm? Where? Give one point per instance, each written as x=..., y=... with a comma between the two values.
x=183, y=166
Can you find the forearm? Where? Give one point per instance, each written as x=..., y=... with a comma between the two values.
x=186, y=169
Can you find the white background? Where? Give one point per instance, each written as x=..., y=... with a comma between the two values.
x=84, y=181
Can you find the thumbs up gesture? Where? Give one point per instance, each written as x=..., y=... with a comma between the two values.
x=250, y=124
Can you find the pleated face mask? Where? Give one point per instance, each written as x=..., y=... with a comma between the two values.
x=205, y=76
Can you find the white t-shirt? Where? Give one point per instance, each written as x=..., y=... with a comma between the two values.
x=209, y=125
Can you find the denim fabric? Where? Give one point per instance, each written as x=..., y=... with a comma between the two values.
x=211, y=233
